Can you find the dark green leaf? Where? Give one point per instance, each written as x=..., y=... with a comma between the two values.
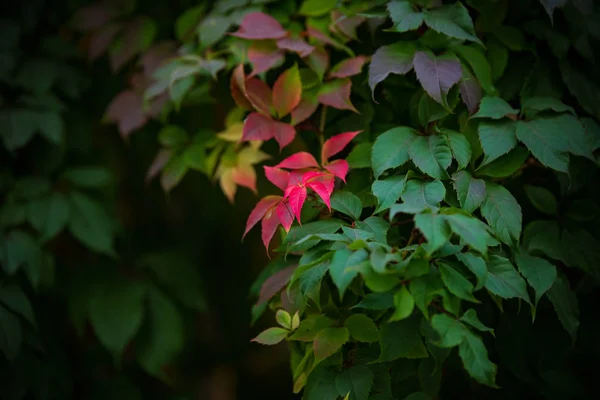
x=404, y=16
x=475, y=359
x=341, y=270
x=566, y=305
x=495, y=108
x=457, y=284
x=497, y=138
x=481, y=67
x=542, y=199
x=533, y=105
x=310, y=327
x=321, y=385
x=356, y=380
x=470, y=317
x=49, y=215
x=388, y=191
x=390, y=150
x=421, y=194
x=376, y=225
x=504, y=281
x=90, y=224
x=435, y=229
x=376, y=301
x=14, y=299
x=452, y=332
x=315, y=8
x=11, y=334
x=404, y=303
x=476, y=265
x=471, y=230
x=360, y=156
x=347, y=203
x=328, y=341
x=452, y=20
x=401, y=339
x=88, y=177
x=503, y=213
x=540, y=274
x=362, y=328
x=460, y=147
x=505, y=165
x=431, y=154
x=470, y=191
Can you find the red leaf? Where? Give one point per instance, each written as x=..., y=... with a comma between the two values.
x=297, y=45
x=126, y=109
x=298, y=161
x=350, y=67
x=338, y=168
x=100, y=40
x=262, y=207
x=318, y=60
x=296, y=177
x=284, y=134
x=269, y=225
x=263, y=58
x=238, y=88
x=335, y=144
x=259, y=95
x=261, y=127
x=284, y=212
x=274, y=284
x=277, y=177
x=336, y=94
x=323, y=190
x=245, y=177
x=160, y=160
x=296, y=196
x=287, y=91
x=303, y=111
x=258, y=25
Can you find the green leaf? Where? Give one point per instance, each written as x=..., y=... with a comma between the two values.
x=504, y=281
x=476, y=265
x=321, y=385
x=388, y=191
x=404, y=303
x=542, y=199
x=362, y=328
x=188, y=21
x=329, y=341
x=503, y=213
x=457, y=284
x=470, y=191
x=347, y=203
x=390, y=149
x=401, y=339
x=356, y=380
x=360, y=156
x=313, y=228
x=451, y=20
x=418, y=396
x=341, y=270
x=90, y=224
x=475, y=359
x=495, y=108
x=505, y=165
x=271, y=336
x=471, y=230
x=14, y=299
x=116, y=312
x=376, y=301
x=435, y=229
x=212, y=29
x=566, y=305
x=421, y=195
x=310, y=326
x=11, y=334
x=451, y=331
x=497, y=138
x=19, y=249
x=404, y=16
x=480, y=65
x=431, y=154
x=470, y=317
x=172, y=136
x=534, y=105
x=315, y=8
x=376, y=225
x=540, y=274
x=310, y=281
x=17, y=127
x=49, y=215
x=460, y=147
x=284, y=318
x=91, y=177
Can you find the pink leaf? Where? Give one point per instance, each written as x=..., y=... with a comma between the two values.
x=277, y=177
x=336, y=144
x=263, y=58
x=259, y=211
x=238, y=88
x=261, y=127
x=287, y=91
x=284, y=212
x=126, y=110
x=323, y=190
x=269, y=225
x=296, y=177
x=298, y=161
x=160, y=160
x=346, y=25
x=338, y=168
x=336, y=94
x=245, y=177
x=275, y=283
x=319, y=35
x=258, y=25
x=297, y=45
x=296, y=196
x=93, y=17
x=100, y=40
x=350, y=67
x=303, y=111
x=284, y=134
x=259, y=95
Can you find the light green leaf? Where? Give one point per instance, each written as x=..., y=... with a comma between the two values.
x=271, y=336
x=341, y=270
x=11, y=334
x=471, y=230
x=540, y=274
x=431, y=154
x=542, y=199
x=355, y=381
x=470, y=191
x=401, y=339
x=475, y=359
x=470, y=317
x=503, y=213
x=505, y=165
x=49, y=215
x=328, y=341
x=390, y=150
x=451, y=20
x=497, y=138
x=480, y=65
x=116, y=312
x=476, y=265
x=435, y=229
x=388, y=191
x=362, y=328
x=460, y=147
x=315, y=8
x=495, y=108
x=90, y=224
x=347, y=203
x=457, y=284
x=404, y=16
x=534, y=105
x=404, y=303
x=566, y=305
x=504, y=281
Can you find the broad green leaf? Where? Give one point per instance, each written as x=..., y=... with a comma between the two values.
x=460, y=147
x=470, y=191
x=437, y=75
x=49, y=215
x=404, y=303
x=315, y=8
x=534, y=105
x=88, y=177
x=376, y=301
x=421, y=194
x=362, y=328
x=390, y=149
x=505, y=165
x=347, y=203
x=355, y=381
x=271, y=336
x=401, y=339
x=435, y=229
x=540, y=274
x=542, y=199
x=475, y=359
x=388, y=191
x=452, y=20
x=481, y=67
x=495, y=108
x=456, y=283
x=431, y=154
x=470, y=317
x=404, y=16
x=504, y=281
x=360, y=156
x=566, y=305
x=329, y=341
x=213, y=28
x=310, y=327
x=503, y=213
x=116, y=311
x=497, y=138
x=376, y=225
x=320, y=385
x=11, y=334
x=451, y=331
x=544, y=237
x=471, y=230
x=341, y=270
x=90, y=224
x=430, y=110
x=497, y=54
x=476, y=265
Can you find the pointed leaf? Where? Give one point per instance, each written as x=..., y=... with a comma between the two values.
x=457, y=284
x=337, y=143
x=470, y=91
x=435, y=229
x=451, y=331
x=470, y=191
x=460, y=147
x=271, y=336
x=296, y=196
x=404, y=303
x=263, y=57
x=566, y=305
x=261, y=127
x=504, y=281
x=471, y=230
x=392, y=59
x=299, y=160
x=388, y=191
x=476, y=265
x=341, y=268
x=494, y=108
x=475, y=359
x=285, y=215
x=542, y=199
x=497, y=138
x=349, y=67
x=540, y=274
x=336, y=94
x=451, y=20
x=287, y=91
x=436, y=74
x=355, y=382
x=259, y=95
x=318, y=61
x=277, y=177
x=347, y=203
x=401, y=339
x=329, y=341
x=296, y=45
x=503, y=213
x=259, y=211
x=258, y=25
x=431, y=154
x=470, y=317
x=304, y=110
x=391, y=148
x=404, y=16
x=362, y=328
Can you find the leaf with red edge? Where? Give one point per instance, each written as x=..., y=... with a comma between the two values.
x=318, y=61
x=336, y=94
x=277, y=177
x=285, y=214
x=296, y=45
x=338, y=168
x=258, y=25
x=437, y=74
x=298, y=161
x=238, y=88
x=303, y=111
x=127, y=111
x=269, y=225
x=259, y=211
x=287, y=91
x=261, y=127
x=263, y=57
x=336, y=143
x=349, y=67
x=296, y=196
x=259, y=94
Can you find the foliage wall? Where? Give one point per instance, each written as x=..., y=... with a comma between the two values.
x=430, y=206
